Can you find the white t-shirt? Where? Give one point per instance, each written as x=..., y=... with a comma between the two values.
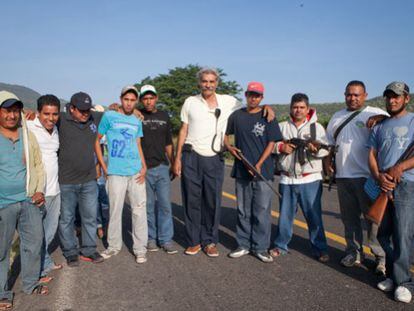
x=352, y=155
x=49, y=145
x=201, y=122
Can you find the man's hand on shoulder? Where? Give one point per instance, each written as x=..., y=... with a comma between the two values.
x=269, y=113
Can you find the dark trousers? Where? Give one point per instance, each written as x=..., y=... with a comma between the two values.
x=201, y=184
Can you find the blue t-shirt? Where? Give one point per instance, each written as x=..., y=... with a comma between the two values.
x=390, y=139
x=252, y=133
x=122, y=132
x=12, y=171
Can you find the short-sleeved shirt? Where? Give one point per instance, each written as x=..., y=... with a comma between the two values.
x=77, y=148
x=252, y=134
x=121, y=132
x=157, y=135
x=12, y=171
x=351, y=157
x=203, y=124
x=390, y=139
x=49, y=146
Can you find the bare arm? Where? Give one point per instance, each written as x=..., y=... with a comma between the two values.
x=182, y=135
x=99, y=155
x=266, y=153
x=141, y=177
x=385, y=180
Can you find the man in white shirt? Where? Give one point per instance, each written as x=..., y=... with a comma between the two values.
x=351, y=162
x=44, y=128
x=200, y=162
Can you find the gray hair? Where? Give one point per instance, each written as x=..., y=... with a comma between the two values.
x=208, y=70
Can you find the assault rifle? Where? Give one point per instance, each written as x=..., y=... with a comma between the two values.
x=251, y=168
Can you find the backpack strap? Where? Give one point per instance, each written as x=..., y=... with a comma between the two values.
x=313, y=131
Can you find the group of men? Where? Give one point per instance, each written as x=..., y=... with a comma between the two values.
x=41, y=188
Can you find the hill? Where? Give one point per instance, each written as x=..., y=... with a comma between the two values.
x=326, y=110
x=26, y=95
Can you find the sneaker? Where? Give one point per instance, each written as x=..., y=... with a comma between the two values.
x=211, y=250
x=141, y=258
x=109, y=253
x=73, y=261
x=380, y=269
x=152, y=246
x=402, y=294
x=94, y=258
x=238, y=252
x=264, y=256
x=169, y=248
x=193, y=250
x=350, y=260
x=386, y=286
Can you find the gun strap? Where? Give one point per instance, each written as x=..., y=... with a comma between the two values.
x=313, y=131
x=343, y=124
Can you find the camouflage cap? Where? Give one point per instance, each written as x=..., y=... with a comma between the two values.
x=398, y=88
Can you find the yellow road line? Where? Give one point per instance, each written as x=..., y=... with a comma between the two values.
x=303, y=225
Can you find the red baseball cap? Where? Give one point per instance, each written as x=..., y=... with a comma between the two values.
x=255, y=87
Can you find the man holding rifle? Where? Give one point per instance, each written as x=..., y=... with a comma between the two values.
x=300, y=156
x=255, y=139
x=347, y=132
x=387, y=142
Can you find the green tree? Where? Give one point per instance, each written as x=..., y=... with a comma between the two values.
x=173, y=88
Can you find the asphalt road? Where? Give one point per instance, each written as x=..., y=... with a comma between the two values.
x=179, y=282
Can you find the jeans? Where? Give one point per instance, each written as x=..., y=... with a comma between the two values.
x=253, y=215
x=201, y=184
x=103, y=206
x=159, y=213
x=85, y=196
x=353, y=201
x=51, y=213
x=27, y=218
x=118, y=186
x=308, y=197
x=396, y=234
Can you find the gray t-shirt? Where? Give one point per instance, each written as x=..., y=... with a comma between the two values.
x=390, y=139
x=76, y=153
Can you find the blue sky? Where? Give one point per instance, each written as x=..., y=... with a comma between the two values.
x=309, y=46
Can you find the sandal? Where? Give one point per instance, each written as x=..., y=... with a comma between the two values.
x=6, y=304
x=46, y=279
x=275, y=252
x=41, y=289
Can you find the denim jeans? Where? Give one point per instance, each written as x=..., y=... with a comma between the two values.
x=85, y=196
x=396, y=234
x=103, y=206
x=27, y=218
x=253, y=214
x=308, y=197
x=354, y=202
x=51, y=212
x=118, y=186
x=159, y=213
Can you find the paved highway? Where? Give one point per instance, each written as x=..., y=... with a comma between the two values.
x=179, y=282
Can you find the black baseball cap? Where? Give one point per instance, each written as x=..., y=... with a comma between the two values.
x=81, y=100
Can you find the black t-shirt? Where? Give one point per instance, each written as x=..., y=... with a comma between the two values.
x=252, y=133
x=76, y=152
x=157, y=135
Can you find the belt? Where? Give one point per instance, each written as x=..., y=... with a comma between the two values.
x=293, y=175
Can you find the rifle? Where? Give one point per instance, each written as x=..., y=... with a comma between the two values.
x=251, y=168
x=377, y=210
